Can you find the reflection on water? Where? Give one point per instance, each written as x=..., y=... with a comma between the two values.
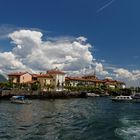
x=76, y=119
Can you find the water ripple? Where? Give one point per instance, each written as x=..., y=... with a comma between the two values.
x=130, y=129
x=72, y=119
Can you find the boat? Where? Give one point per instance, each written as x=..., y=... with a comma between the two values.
x=92, y=95
x=122, y=98
x=19, y=100
x=136, y=97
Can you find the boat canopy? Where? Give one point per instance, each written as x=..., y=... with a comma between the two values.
x=18, y=97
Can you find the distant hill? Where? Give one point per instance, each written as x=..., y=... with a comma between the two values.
x=2, y=78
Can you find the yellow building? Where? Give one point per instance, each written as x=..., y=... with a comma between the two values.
x=46, y=81
x=52, y=80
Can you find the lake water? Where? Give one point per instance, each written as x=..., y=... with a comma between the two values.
x=70, y=119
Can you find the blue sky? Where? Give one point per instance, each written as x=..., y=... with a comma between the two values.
x=112, y=27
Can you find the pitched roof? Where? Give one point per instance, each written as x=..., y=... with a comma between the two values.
x=42, y=75
x=55, y=72
x=91, y=76
x=83, y=79
x=106, y=81
x=35, y=75
x=17, y=73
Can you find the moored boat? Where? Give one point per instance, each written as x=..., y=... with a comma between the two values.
x=136, y=97
x=19, y=100
x=122, y=98
x=92, y=95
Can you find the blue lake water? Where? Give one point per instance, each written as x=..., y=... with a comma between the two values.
x=70, y=119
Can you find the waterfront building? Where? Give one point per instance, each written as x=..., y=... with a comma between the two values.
x=20, y=77
x=58, y=79
x=87, y=80
x=45, y=81
x=92, y=80
x=52, y=80
x=113, y=83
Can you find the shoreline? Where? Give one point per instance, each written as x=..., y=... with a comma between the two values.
x=44, y=95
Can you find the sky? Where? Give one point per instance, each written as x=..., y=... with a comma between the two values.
x=77, y=36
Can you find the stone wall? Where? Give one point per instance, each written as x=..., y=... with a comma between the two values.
x=46, y=94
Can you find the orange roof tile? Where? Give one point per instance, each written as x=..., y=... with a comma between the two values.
x=17, y=73
x=82, y=79
x=42, y=75
x=34, y=75
x=55, y=72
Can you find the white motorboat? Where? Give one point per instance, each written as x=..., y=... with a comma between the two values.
x=19, y=100
x=92, y=95
x=122, y=98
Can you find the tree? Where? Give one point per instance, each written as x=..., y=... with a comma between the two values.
x=35, y=86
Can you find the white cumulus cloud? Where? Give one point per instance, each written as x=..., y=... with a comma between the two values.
x=31, y=52
x=100, y=69
x=124, y=73
x=8, y=61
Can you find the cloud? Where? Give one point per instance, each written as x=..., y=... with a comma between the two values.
x=123, y=73
x=136, y=71
x=130, y=75
x=9, y=62
x=102, y=60
x=136, y=57
x=99, y=69
x=136, y=74
x=82, y=39
x=5, y=29
x=33, y=53
x=109, y=78
x=26, y=42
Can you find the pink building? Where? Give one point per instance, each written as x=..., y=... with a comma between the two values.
x=20, y=77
